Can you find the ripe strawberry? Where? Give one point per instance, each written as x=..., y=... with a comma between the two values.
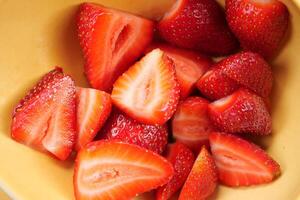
x=93, y=108
x=241, y=112
x=111, y=41
x=191, y=124
x=202, y=180
x=189, y=66
x=115, y=170
x=182, y=159
x=215, y=85
x=45, y=118
x=199, y=25
x=259, y=25
x=121, y=127
x=241, y=163
x=148, y=91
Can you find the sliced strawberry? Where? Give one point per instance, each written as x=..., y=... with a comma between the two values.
x=121, y=127
x=148, y=91
x=241, y=163
x=215, y=85
x=115, y=170
x=189, y=66
x=93, y=108
x=241, y=112
x=199, y=25
x=111, y=41
x=191, y=124
x=260, y=25
x=45, y=118
x=182, y=159
x=202, y=180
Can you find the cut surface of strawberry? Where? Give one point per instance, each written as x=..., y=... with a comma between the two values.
x=148, y=91
x=115, y=170
x=45, y=118
x=202, y=180
x=191, y=124
x=93, y=108
x=241, y=163
x=182, y=159
x=111, y=40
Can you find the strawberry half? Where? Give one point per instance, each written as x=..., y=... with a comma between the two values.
x=189, y=66
x=182, y=159
x=241, y=112
x=241, y=163
x=199, y=25
x=259, y=25
x=191, y=124
x=45, y=118
x=111, y=40
x=115, y=170
x=148, y=91
x=121, y=127
x=202, y=180
x=93, y=108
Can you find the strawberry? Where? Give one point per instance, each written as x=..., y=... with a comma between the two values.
x=189, y=66
x=93, y=108
x=191, y=124
x=202, y=180
x=45, y=118
x=182, y=159
x=148, y=91
x=115, y=170
x=215, y=85
x=111, y=40
x=241, y=163
x=259, y=25
x=199, y=25
x=241, y=112
x=126, y=129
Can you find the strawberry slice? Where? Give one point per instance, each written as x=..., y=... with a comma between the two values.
x=189, y=66
x=199, y=25
x=45, y=118
x=241, y=163
x=215, y=85
x=121, y=127
x=148, y=91
x=93, y=108
x=260, y=25
x=182, y=159
x=111, y=40
x=115, y=170
x=202, y=180
x=191, y=124
x=241, y=112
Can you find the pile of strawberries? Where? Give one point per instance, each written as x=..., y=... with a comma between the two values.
x=145, y=97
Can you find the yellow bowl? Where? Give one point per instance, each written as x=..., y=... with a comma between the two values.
x=37, y=35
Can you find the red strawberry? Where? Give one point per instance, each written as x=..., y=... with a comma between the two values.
x=191, y=124
x=182, y=159
x=93, y=108
x=215, y=85
x=241, y=112
x=45, y=118
x=122, y=127
x=115, y=170
x=189, y=66
x=199, y=25
x=260, y=25
x=202, y=181
x=148, y=91
x=111, y=41
x=241, y=163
